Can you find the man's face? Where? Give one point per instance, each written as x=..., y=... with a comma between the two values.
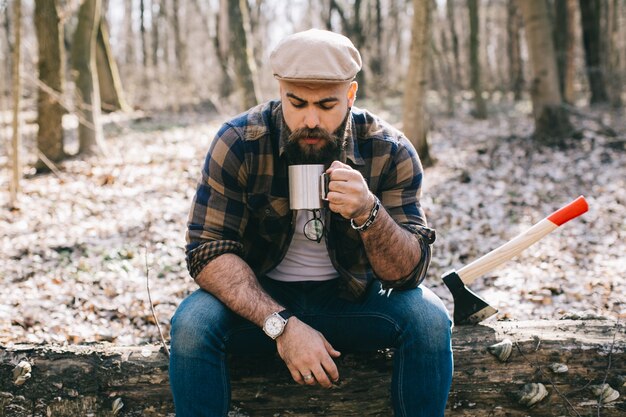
x=313, y=113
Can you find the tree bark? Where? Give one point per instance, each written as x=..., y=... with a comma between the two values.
x=157, y=13
x=109, y=82
x=90, y=135
x=82, y=380
x=457, y=73
x=516, y=70
x=414, y=120
x=129, y=36
x=480, y=108
x=552, y=124
x=220, y=42
x=243, y=56
x=564, y=41
x=180, y=45
x=447, y=72
x=353, y=28
x=16, y=140
x=142, y=32
x=377, y=61
x=50, y=64
x=613, y=54
x=590, y=20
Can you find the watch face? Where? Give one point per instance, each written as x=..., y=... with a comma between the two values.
x=274, y=326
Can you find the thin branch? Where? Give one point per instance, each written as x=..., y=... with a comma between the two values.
x=58, y=97
x=154, y=315
x=47, y=162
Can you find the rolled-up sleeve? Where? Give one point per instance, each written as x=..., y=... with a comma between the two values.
x=400, y=195
x=218, y=214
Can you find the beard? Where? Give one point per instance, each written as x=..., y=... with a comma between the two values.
x=300, y=153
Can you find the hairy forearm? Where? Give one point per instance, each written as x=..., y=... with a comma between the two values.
x=392, y=250
x=231, y=280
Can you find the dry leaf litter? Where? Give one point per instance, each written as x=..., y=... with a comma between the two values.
x=75, y=256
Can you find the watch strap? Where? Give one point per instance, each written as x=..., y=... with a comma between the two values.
x=285, y=314
x=370, y=219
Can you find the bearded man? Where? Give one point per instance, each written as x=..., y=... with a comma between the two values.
x=268, y=286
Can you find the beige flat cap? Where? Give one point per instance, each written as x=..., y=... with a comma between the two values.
x=315, y=56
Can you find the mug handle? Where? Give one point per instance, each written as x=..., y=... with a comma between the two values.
x=324, y=181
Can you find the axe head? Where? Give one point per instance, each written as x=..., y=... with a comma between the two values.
x=469, y=308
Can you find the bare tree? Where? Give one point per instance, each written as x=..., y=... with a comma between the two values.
x=142, y=31
x=51, y=65
x=590, y=19
x=414, y=112
x=454, y=38
x=242, y=53
x=514, y=50
x=480, y=109
x=90, y=135
x=180, y=46
x=551, y=121
x=17, y=93
x=564, y=45
x=129, y=45
x=353, y=29
x=613, y=55
x=445, y=65
x=157, y=12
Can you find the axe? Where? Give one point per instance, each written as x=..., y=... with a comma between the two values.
x=469, y=308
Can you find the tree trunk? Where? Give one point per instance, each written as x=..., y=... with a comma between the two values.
x=109, y=82
x=157, y=13
x=447, y=72
x=129, y=36
x=613, y=54
x=455, y=43
x=16, y=141
x=414, y=120
x=51, y=73
x=516, y=70
x=353, y=29
x=91, y=379
x=590, y=20
x=220, y=42
x=244, y=61
x=377, y=61
x=90, y=136
x=552, y=124
x=142, y=31
x=480, y=109
x=180, y=49
x=564, y=41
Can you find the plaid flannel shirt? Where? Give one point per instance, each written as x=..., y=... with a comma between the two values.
x=241, y=204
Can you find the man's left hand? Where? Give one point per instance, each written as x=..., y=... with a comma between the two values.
x=348, y=193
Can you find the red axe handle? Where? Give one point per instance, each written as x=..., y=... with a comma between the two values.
x=516, y=245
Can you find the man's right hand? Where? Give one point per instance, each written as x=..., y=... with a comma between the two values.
x=307, y=352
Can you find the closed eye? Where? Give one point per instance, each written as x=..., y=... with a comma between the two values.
x=327, y=106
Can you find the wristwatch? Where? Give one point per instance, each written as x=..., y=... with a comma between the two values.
x=275, y=323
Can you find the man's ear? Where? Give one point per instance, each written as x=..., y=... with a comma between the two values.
x=352, y=89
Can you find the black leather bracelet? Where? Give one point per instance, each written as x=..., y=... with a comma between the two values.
x=370, y=219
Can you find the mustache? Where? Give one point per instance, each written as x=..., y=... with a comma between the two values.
x=316, y=132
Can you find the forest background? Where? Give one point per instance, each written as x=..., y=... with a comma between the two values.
x=107, y=109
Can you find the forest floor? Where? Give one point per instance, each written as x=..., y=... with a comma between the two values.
x=77, y=255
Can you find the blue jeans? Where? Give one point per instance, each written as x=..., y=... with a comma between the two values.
x=414, y=322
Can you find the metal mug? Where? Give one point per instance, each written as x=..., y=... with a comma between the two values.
x=308, y=186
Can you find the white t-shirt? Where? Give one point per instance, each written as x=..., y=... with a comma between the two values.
x=305, y=260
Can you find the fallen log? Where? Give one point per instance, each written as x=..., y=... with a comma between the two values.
x=107, y=380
